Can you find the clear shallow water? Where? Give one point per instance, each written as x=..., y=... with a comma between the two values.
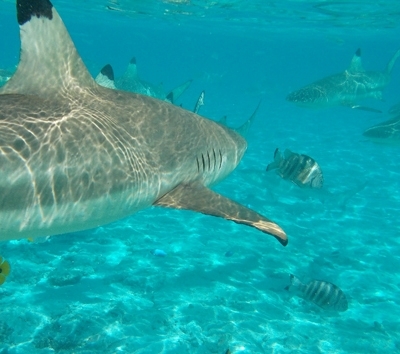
x=103, y=291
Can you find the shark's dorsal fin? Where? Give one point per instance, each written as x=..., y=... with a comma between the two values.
x=170, y=97
x=223, y=121
x=390, y=65
x=243, y=129
x=356, y=64
x=196, y=197
x=179, y=90
x=47, y=49
x=131, y=70
x=105, y=77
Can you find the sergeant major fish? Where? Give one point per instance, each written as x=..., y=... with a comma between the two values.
x=301, y=169
x=322, y=293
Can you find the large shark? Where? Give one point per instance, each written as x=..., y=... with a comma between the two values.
x=386, y=133
x=130, y=81
x=346, y=88
x=75, y=155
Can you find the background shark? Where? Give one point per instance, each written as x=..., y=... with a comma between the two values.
x=387, y=132
x=131, y=82
x=346, y=88
x=75, y=155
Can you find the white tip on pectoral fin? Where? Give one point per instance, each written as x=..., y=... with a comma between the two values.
x=199, y=198
x=49, y=63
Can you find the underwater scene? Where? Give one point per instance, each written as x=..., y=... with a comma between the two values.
x=238, y=121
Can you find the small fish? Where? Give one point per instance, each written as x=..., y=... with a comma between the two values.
x=301, y=169
x=229, y=253
x=322, y=293
x=159, y=253
x=4, y=270
x=38, y=239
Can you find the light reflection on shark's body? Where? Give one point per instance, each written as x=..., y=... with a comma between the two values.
x=75, y=155
x=347, y=88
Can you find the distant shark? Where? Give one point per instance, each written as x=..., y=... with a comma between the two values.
x=386, y=133
x=395, y=110
x=131, y=82
x=75, y=155
x=346, y=88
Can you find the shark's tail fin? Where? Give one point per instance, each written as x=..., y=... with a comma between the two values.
x=277, y=160
x=295, y=282
x=243, y=129
x=174, y=94
x=392, y=61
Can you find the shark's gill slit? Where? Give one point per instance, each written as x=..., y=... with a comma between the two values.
x=204, y=162
x=93, y=154
x=215, y=159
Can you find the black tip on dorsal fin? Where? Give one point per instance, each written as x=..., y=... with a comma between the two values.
x=28, y=8
x=170, y=97
x=133, y=61
x=358, y=52
x=108, y=71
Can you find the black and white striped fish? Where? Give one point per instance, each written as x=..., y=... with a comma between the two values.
x=322, y=293
x=301, y=169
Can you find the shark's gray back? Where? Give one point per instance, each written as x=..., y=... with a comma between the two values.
x=139, y=152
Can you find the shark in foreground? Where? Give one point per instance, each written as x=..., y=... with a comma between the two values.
x=131, y=82
x=346, y=88
x=75, y=155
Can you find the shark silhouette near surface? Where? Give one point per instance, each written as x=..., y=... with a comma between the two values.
x=75, y=155
x=346, y=88
x=131, y=82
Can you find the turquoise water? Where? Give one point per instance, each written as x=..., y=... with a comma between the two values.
x=103, y=291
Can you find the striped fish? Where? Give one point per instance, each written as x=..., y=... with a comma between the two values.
x=301, y=169
x=322, y=293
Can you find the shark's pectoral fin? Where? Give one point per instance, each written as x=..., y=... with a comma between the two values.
x=198, y=198
x=363, y=108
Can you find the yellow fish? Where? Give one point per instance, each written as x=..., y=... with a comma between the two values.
x=4, y=270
